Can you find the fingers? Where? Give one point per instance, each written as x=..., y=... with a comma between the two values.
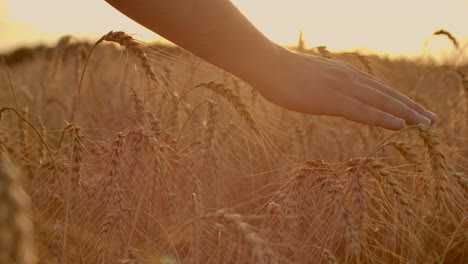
x=372, y=77
x=386, y=103
x=356, y=111
x=376, y=84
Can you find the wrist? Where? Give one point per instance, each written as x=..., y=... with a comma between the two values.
x=261, y=64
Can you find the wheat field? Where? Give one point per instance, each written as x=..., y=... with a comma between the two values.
x=124, y=152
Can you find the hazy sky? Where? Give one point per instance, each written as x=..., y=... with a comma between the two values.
x=388, y=26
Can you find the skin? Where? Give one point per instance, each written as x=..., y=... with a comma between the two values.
x=216, y=31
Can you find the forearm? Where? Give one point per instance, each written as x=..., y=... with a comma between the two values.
x=211, y=29
x=217, y=32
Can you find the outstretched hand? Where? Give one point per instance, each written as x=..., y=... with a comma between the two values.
x=318, y=86
x=298, y=82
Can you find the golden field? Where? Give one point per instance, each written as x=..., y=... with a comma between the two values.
x=147, y=154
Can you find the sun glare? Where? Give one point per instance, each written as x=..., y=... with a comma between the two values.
x=385, y=26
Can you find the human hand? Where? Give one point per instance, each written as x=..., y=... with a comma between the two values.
x=319, y=86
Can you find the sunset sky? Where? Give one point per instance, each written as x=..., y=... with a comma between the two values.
x=398, y=26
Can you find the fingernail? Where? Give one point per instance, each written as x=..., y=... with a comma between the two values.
x=432, y=116
x=399, y=123
x=425, y=121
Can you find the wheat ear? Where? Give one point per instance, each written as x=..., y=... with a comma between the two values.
x=261, y=252
x=134, y=47
x=387, y=181
x=437, y=160
x=76, y=156
x=113, y=195
x=130, y=44
x=233, y=98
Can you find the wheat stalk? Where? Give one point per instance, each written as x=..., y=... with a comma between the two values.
x=195, y=242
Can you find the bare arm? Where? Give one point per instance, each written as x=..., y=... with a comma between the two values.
x=216, y=31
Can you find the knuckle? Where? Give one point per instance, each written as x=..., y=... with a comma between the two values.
x=352, y=67
x=405, y=112
x=412, y=104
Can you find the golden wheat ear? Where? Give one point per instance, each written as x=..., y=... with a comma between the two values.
x=233, y=98
x=134, y=47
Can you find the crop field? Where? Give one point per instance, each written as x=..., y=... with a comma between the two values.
x=124, y=152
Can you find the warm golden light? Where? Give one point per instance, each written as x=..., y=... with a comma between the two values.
x=397, y=26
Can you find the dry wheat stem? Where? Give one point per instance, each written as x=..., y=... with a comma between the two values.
x=196, y=232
